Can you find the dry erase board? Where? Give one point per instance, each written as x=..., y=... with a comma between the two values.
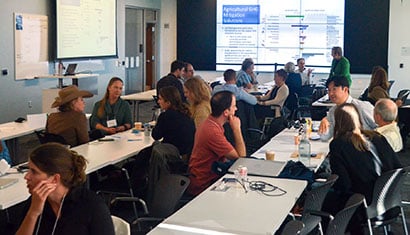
x=31, y=45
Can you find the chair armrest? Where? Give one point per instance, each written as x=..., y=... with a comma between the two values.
x=131, y=199
x=320, y=213
x=147, y=219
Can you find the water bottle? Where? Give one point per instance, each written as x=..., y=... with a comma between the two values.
x=304, y=148
x=147, y=129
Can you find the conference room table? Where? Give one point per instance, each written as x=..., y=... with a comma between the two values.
x=285, y=149
x=323, y=102
x=137, y=99
x=115, y=148
x=230, y=210
x=11, y=130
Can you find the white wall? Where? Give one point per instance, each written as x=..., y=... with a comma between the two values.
x=168, y=36
x=399, y=45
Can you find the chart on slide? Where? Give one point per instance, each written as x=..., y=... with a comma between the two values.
x=272, y=31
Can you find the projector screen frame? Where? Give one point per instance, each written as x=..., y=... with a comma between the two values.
x=59, y=56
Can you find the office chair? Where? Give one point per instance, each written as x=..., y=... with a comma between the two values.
x=46, y=137
x=121, y=227
x=293, y=227
x=339, y=222
x=386, y=203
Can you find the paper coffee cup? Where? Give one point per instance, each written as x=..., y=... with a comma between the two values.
x=270, y=155
x=296, y=139
x=138, y=125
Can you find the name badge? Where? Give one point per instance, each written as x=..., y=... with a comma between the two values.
x=112, y=123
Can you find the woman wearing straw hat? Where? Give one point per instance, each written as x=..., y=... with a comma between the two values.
x=70, y=123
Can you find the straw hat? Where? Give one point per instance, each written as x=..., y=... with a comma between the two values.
x=68, y=94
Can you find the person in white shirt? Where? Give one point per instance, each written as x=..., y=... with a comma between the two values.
x=385, y=114
x=304, y=72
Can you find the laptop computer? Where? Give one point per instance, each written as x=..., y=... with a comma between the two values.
x=70, y=69
x=259, y=167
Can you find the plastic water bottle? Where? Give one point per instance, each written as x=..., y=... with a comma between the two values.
x=304, y=149
x=147, y=129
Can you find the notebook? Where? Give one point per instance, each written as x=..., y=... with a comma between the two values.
x=259, y=167
x=6, y=182
x=70, y=69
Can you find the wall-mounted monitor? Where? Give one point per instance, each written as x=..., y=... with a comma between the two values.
x=274, y=31
x=86, y=28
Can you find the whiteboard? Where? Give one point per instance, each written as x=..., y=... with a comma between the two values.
x=31, y=45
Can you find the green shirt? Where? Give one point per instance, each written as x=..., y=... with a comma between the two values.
x=120, y=111
x=341, y=68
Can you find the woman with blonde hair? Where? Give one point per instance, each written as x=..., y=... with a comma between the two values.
x=379, y=85
x=59, y=204
x=112, y=114
x=198, y=95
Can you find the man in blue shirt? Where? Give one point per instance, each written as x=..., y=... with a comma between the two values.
x=230, y=85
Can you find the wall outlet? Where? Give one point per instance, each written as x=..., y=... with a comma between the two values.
x=4, y=72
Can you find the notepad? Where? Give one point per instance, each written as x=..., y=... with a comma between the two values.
x=6, y=182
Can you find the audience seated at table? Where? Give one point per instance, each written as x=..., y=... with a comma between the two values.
x=198, y=96
x=338, y=89
x=385, y=114
x=4, y=152
x=303, y=71
x=70, y=122
x=246, y=77
x=294, y=83
x=378, y=86
x=230, y=85
x=358, y=157
x=175, y=125
x=271, y=104
x=59, y=203
x=173, y=78
x=210, y=143
x=112, y=114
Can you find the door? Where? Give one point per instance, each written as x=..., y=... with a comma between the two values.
x=150, y=58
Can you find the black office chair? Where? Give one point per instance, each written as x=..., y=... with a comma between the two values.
x=386, y=203
x=46, y=137
x=293, y=227
x=339, y=222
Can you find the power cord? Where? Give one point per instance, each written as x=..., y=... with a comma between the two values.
x=266, y=188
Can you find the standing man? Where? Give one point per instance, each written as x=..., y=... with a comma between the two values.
x=172, y=78
x=385, y=114
x=340, y=65
x=211, y=144
x=338, y=88
x=304, y=72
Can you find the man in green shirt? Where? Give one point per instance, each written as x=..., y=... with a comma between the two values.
x=340, y=65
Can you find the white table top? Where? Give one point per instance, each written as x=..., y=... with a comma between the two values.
x=284, y=147
x=12, y=130
x=98, y=154
x=103, y=153
x=234, y=211
x=141, y=96
x=15, y=193
x=76, y=76
x=323, y=102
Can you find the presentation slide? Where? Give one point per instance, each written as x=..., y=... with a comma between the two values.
x=86, y=28
x=273, y=31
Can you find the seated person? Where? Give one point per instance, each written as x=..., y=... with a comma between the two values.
x=230, y=85
x=379, y=85
x=245, y=76
x=59, y=204
x=294, y=83
x=198, y=96
x=210, y=142
x=358, y=157
x=270, y=105
x=71, y=122
x=303, y=71
x=174, y=125
x=112, y=114
x=338, y=89
x=173, y=78
x=4, y=152
x=385, y=114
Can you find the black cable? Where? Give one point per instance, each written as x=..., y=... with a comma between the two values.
x=266, y=188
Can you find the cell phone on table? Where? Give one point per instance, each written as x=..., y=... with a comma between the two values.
x=106, y=139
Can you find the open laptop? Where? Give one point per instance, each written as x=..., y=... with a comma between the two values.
x=259, y=167
x=70, y=69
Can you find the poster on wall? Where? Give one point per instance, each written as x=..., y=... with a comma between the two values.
x=31, y=45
